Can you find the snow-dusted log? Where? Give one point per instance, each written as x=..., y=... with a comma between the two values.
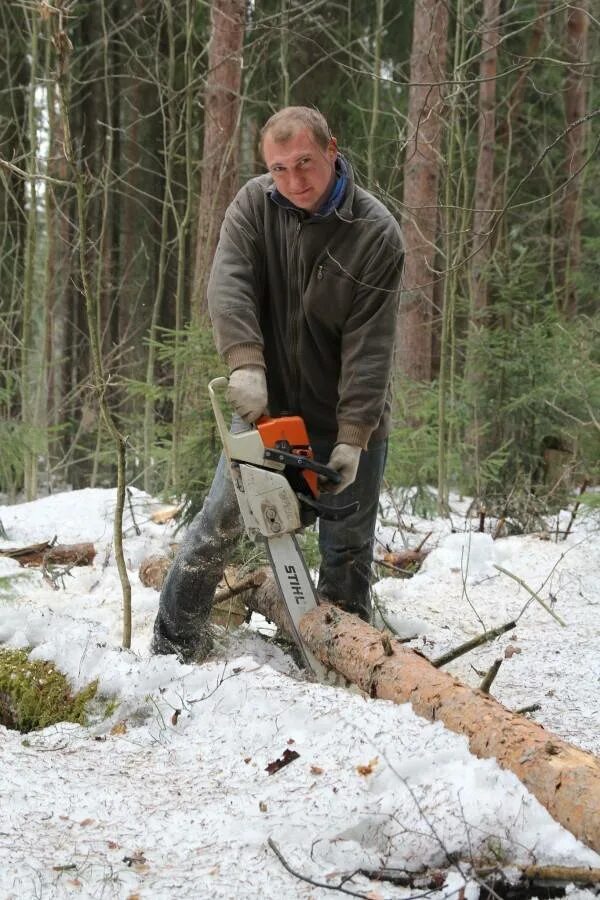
x=564, y=779
x=47, y=553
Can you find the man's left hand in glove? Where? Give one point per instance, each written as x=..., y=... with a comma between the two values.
x=344, y=459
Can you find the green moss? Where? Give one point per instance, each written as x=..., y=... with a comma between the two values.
x=34, y=694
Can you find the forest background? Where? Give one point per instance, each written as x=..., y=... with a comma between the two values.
x=126, y=126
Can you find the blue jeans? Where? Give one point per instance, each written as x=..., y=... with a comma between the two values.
x=346, y=551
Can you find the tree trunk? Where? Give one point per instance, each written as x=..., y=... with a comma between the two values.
x=15, y=77
x=484, y=175
x=575, y=107
x=517, y=92
x=421, y=176
x=220, y=151
x=563, y=778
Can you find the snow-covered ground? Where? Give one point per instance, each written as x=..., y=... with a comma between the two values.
x=168, y=795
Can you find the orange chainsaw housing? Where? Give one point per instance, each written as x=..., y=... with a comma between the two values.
x=289, y=433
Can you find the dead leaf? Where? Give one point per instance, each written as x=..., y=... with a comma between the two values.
x=112, y=845
x=369, y=768
x=175, y=716
x=316, y=770
x=291, y=741
x=85, y=822
x=511, y=650
x=262, y=806
x=119, y=728
x=277, y=764
x=247, y=759
x=74, y=881
x=133, y=897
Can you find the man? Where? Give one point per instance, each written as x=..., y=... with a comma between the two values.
x=303, y=297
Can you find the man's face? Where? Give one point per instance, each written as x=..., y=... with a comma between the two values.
x=302, y=171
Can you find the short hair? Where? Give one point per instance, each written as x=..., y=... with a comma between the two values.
x=284, y=124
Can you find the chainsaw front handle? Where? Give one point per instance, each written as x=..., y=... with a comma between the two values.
x=213, y=386
x=303, y=462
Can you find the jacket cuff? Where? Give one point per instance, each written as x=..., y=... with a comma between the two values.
x=351, y=433
x=244, y=355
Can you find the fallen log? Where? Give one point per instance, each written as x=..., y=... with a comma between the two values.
x=165, y=515
x=564, y=779
x=47, y=553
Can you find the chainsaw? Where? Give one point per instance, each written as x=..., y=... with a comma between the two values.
x=276, y=481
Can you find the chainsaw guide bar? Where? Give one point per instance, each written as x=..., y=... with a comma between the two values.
x=276, y=481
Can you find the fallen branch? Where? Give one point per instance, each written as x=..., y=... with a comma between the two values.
x=488, y=680
x=576, y=874
x=533, y=707
x=430, y=880
x=478, y=641
x=404, y=560
x=582, y=490
x=167, y=514
x=305, y=878
x=491, y=878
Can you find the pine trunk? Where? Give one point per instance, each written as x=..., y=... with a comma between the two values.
x=575, y=108
x=484, y=174
x=421, y=177
x=221, y=128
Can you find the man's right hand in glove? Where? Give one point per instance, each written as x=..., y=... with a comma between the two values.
x=247, y=392
x=344, y=460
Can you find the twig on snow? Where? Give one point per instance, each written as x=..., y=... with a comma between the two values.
x=535, y=596
x=321, y=884
x=533, y=707
x=582, y=490
x=137, y=528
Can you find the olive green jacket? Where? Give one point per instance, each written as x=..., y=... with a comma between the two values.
x=314, y=299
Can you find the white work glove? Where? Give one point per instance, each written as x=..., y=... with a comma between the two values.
x=247, y=392
x=344, y=459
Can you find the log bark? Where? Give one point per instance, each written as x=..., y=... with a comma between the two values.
x=563, y=778
x=49, y=554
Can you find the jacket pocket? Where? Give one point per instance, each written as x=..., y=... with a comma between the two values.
x=328, y=298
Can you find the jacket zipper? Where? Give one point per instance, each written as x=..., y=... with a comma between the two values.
x=295, y=322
